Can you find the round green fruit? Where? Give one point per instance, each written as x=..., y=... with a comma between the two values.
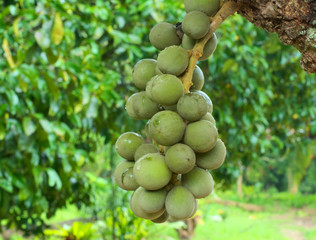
x=180, y=158
x=129, y=107
x=143, y=149
x=152, y=201
x=165, y=89
x=214, y=158
x=209, y=117
x=164, y=35
x=166, y=128
x=163, y=218
x=197, y=79
x=198, y=181
x=151, y=171
x=173, y=60
x=180, y=203
x=208, y=100
x=143, y=71
x=201, y=136
x=127, y=144
x=209, y=7
x=192, y=106
x=143, y=106
x=124, y=177
x=196, y=24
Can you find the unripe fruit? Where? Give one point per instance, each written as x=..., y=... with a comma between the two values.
x=138, y=211
x=173, y=60
x=127, y=144
x=129, y=107
x=192, y=106
x=209, y=7
x=198, y=181
x=164, y=35
x=197, y=79
x=151, y=171
x=143, y=106
x=214, y=158
x=180, y=203
x=165, y=89
x=180, y=158
x=196, y=24
x=208, y=100
x=143, y=71
x=209, y=117
x=152, y=201
x=166, y=128
x=124, y=177
x=201, y=136
x=188, y=43
x=163, y=218
x=143, y=149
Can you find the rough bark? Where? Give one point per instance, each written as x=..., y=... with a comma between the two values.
x=293, y=20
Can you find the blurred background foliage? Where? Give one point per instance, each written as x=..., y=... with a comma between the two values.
x=66, y=74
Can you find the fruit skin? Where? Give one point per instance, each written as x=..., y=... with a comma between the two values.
x=152, y=201
x=173, y=60
x=119, y=172
x=214, y=158
x=209, y=117
x=197, y=79
x=138, y=211
x=127, y=144
x=196, y=24
x=129, y=107
x=198, y=181
x=164, y=35
x=165, y=89
x=180, y=203
x=180, y=158
x=163, y=218
x=208, y=100
x=145, y=149
x=151, y=171
x=192, y=106
x=209, y=7
x=188, y=43
x=143, y=71
x=129, y=180
x=166, y=128
x=143, y=106
x=201, y=136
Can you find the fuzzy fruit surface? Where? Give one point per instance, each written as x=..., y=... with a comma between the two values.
x=212, y=159
x=129, y=107
x=196, y=24
x=143, y=71
x=119, y=176
x=152, y=201
x=144, y=149
x=197, y=79
x=209, y=7
x=192, y=106
x=127, y=144
x=143, y=106
x=209, y=117
x=164, y=35
x=208, y=100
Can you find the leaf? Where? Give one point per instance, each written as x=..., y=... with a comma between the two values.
x=16, y=27
x=42, y=39
x=53, y=178
x=28, y=126
x=6, y=185
x=46, y=125
x=58, y=30
x=2, y=132
x=6, y=49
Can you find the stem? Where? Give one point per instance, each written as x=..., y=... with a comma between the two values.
x=228, y=8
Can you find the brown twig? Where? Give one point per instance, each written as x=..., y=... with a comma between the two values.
x=228, y=8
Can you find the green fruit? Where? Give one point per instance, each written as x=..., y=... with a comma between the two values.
x=138, y=211
x=152, y=201
x=180, y=158
x=129, y=107
x=209, y=117
x=163, y=218
x=143, y=149
x=151, y=171
x=149, y=86
x=198, y=181
x=196, y=24
x=180, y=203
x=165, y=89
x=192, y=106
x=208, y=100
x=195, y=209
x=197, y=79
x=143, y=71
x=158, y=72
x=209, y=7
x=127, y=144
x=214, y=158
x=124, y=177
x=171, y=107
x=166, y=128
x=164, y=35
x=201, y=136
x=173, y=60
x=143, y=106
x=188, y=43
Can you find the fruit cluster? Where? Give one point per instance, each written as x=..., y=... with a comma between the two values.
x=171, y=173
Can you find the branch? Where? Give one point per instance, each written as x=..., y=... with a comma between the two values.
x=227, y=9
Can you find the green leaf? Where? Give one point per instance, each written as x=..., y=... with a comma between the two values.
x=53, y=178
x=58, y=30
x=28, y=126
x=6, y=185
x=42, y=39
x=46, y=125
x=2, y=131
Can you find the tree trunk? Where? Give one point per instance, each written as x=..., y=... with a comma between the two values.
x=239, y=185
x=293, y=20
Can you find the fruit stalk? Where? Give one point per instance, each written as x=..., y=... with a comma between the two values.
x=228, y=8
